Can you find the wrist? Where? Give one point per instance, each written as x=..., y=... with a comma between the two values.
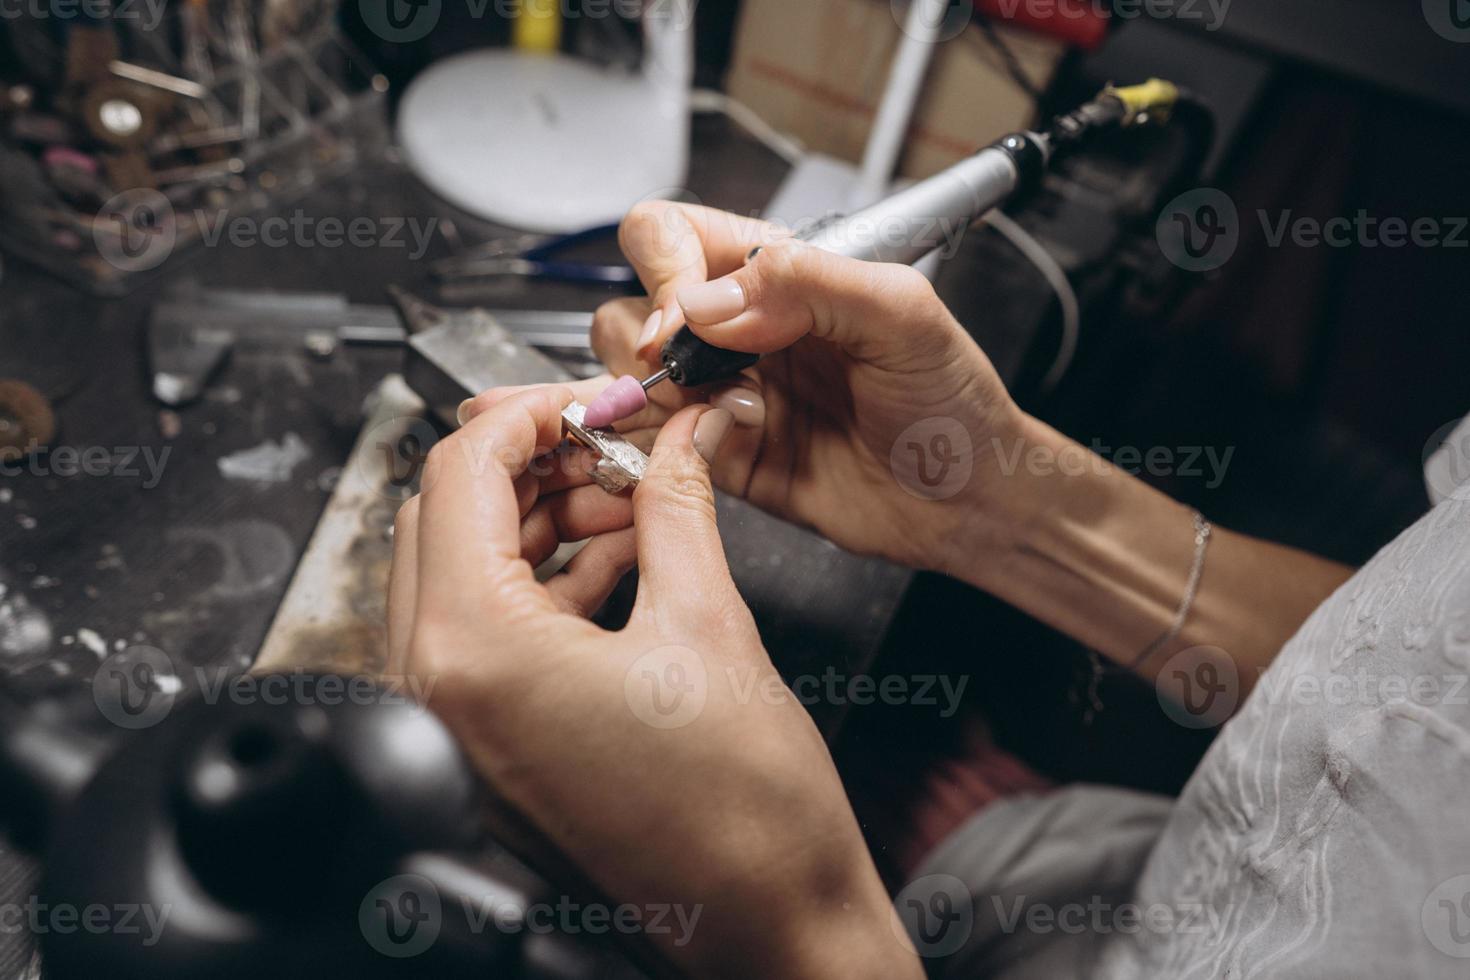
x=1063, y=534
x=981, y=531
x=843, y=943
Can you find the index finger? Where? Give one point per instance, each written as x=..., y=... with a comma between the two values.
x=672, y=245
x=469, y=516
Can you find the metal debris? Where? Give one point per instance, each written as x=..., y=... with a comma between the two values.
x=90, y=639
x=25, y=632
x=269, y=462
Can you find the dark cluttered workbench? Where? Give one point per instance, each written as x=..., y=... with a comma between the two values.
x=131, y=532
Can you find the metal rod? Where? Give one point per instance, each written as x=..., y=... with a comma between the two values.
x=654, y=379
x=158, y=80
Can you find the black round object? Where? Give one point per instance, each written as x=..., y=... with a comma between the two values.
x=241, y=839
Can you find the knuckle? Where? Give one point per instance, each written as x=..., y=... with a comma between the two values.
x=640, y=216
x=484, y=401
x=652, y=230
x=406, y=520
x=434, y=463
x=613, y=326
x=909, y=281
x=784, y=261
x=682, y=485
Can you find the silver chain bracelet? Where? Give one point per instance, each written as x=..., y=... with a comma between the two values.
x=1202, y=531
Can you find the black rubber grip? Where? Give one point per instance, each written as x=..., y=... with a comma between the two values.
x=693, y=362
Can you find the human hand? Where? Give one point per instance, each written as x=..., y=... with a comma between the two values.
x=874, y=416
x=639, y=754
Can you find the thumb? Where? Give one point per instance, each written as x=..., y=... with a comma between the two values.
x=681, y=560
x=875, y=311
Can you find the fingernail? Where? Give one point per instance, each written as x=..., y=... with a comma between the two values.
x=649, y=332
x=748, y=407
x=710, y=431
x=462, y=413
x=713, y=302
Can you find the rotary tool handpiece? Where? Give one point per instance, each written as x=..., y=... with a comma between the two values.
x=902, y=228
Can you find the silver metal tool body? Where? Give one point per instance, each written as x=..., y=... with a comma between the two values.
x=907, y=225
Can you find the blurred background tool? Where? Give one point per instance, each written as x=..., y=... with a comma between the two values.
x=193, y=329
x=218, y=109
x=1077, y=22
x=535, y=257
x=538, y=26
x=27, y=421
x=454, y=354
x=955, y=198
x=526, y=120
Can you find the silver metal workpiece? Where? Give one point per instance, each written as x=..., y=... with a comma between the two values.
x=622, y=464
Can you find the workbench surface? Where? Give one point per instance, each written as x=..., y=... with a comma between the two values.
x=165, y=551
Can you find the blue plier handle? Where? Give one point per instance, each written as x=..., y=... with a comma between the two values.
x=539, y=261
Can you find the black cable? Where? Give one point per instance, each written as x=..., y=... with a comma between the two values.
x=1007, y=56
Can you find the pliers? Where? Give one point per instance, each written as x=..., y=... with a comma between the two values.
x=533, y=256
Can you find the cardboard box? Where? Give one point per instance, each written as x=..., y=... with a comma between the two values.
x=816, y=70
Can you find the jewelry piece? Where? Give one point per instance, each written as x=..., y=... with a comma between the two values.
x=622, y=464
x=1202, y=531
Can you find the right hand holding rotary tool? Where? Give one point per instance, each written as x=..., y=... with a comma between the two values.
x=875, y=419
x=859, y=353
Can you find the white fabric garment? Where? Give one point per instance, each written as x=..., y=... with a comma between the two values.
x=1325, y=834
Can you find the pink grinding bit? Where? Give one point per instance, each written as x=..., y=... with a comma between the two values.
x=623, y=398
